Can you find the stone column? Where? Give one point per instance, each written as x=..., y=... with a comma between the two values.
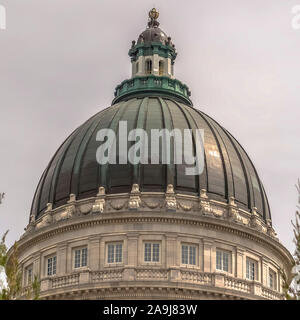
x=142, y=71
x=155, y=64
x=94, y=253
x=172, y=251
x=168, y=67
x=264, y=272
x=36, y=265
x=62, y=263
x=132, y=257
x=132, y=243
x=208, y=256
x=240, y=263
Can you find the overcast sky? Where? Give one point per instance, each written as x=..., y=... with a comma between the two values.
x=60, y=61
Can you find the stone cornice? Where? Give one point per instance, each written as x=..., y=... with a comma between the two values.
x=88, y=221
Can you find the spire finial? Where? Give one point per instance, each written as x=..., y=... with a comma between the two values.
x=153, y=15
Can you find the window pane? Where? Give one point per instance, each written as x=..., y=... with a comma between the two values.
x=250, y=270
x=77, y=259
x=184, y=254
x=252, y=274
x=29, y=276
x=271, y=280
x=219, y=260
x=119, y=252
x=84, y=257
x=110, y=253
x=54, y=265
x=192, y=255
x=155, y=257
x=49, y=272
x=225, y=261
x=147, y=255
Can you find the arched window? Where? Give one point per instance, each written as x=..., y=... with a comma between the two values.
x=137, y=67
x=148, y=66
x=161, y=68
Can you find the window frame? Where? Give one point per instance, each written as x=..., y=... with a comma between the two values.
x=28, y=281
x=52, y=265
x=148, y=67
x=255, y=269
x=161, y=67
x=188, y=257
x=81, y=256
x=152, y=243
x=274, y=284
x=115, y=253
x=224, y=253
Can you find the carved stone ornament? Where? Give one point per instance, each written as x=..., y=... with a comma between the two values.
x=66, y=214
x=171, y=203
x=204, y=203
x=49, y=207
x=32, y=219
x=217, y=212
x=72, y=198
x=186, y=206
x=254, y=220
x=233, y=212
x=46, y=220
x=135, y=199
x=151, y=205
x=85, y=208
x=99, y=205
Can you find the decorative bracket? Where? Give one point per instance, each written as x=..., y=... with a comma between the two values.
x=171, y=203
x=99, y=205
x=204, y=203
x=135, y=199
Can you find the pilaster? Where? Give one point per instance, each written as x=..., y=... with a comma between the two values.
x=62, y=259
x=240, y=263
x=207, y=256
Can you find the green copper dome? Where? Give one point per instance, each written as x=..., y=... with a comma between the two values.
x=228, y=170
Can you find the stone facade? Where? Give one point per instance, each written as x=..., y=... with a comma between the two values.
x=170, y=220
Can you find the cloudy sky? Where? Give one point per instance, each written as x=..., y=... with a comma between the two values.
x=60, y=61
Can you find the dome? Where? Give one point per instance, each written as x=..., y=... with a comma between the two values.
x=228, y=171
x=153, y=35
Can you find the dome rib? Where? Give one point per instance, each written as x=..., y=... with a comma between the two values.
x=76, y=166
x=229, y=171
x=140, y=124
x=191, y=125
x=103, y=173
x=168, y=124
x=221, y=154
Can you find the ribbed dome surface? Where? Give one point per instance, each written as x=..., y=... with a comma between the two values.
x=153, y=35
x=228, y=171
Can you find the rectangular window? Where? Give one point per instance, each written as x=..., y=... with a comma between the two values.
x=114, y=252
x=222, y=260
x=29, y=275
x=272, y=279
x=151, y=252
x=188, y=254
x=250, y=269
x=80, y=258
x=51, y=266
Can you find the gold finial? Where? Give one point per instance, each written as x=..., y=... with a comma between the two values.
x=153, y=14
